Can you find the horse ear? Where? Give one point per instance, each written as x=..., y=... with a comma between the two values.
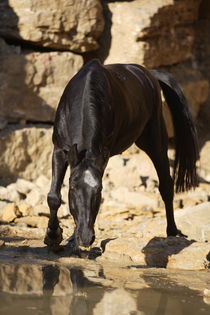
x=73, y=156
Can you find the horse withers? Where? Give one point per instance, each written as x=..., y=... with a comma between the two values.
x=103, y=111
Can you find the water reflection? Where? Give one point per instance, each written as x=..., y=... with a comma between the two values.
x=54, y=289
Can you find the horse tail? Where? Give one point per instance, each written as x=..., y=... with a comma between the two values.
x=186, y=142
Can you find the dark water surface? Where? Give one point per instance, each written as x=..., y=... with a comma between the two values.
x=53, y=289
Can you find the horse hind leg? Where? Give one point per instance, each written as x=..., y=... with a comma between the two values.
x=154, y=141
x=53, y=235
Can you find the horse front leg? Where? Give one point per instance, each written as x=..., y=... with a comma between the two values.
x=53, y=235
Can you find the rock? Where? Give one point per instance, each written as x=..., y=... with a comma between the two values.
x=195, y=222
x=157, y=32
x=24, y=186
x=3, y=204
x=33, y=221
x=25, y=209
x=115, y=302
x=72, y=25
x=40, y=209
x=204, y=168
x=9, y=193
x=3, y=193
x=176, y=253
x=10, y=213
x=128, y=169
x=35, y=197
x=135, y=199
x=171, y=253
x=25, y=152
x=123, y=251
x=194, y=257
x=206, y=292
x=40, y=78
x=152, y=248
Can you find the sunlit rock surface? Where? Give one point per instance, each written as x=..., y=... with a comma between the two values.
x=72, y=25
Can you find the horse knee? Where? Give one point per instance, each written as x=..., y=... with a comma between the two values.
x=53, y=200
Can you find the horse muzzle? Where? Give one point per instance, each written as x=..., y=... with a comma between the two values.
x=84, y=237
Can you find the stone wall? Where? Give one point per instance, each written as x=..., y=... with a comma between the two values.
x=43, y=44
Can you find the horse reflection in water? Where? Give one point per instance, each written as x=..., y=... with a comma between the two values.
x=103, y=111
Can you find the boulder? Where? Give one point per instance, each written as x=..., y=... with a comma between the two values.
x=72, y=25
x=10, y=213
x=152, y=33
x=171, y=253
x=25, y=151
x=32, y=83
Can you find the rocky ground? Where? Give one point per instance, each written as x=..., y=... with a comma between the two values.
x=130, y=228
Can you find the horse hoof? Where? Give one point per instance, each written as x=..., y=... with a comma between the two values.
x=53, y=239
x=179, y=233
x=175, y=232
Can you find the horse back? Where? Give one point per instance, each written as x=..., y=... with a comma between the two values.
x=105, y=106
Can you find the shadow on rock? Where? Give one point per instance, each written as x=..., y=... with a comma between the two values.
x=159, y=249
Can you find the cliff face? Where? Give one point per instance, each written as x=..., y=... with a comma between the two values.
x=44, y=43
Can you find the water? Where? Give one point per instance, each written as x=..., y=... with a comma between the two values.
x=64, y=290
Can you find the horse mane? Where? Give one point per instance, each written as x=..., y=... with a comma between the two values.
x=94, y=103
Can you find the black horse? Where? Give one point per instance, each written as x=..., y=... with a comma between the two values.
x=103, y=110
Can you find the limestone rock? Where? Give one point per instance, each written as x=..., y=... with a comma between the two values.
x=10, y=213
x=34, y=221
x=9, y=194
x=133, y=198
x=171, y=253
x=204, y=168
x=24, y=186
x=35, y=197
x=31, y=84
x=194, y=257
x=25, y=152
x=25, y=209
x=195, y=221
x=124, y=251
x=152, y=33
x=72, y=25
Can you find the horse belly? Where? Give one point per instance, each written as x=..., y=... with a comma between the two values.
x=129, y=133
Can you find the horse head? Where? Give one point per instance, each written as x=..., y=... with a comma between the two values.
x=85, y=186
